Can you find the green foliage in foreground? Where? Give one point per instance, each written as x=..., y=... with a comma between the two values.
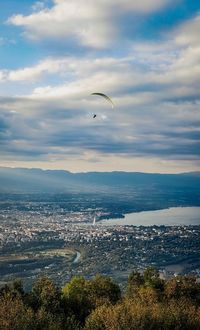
x=97, y=304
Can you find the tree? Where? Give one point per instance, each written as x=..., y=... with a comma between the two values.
x=150, y=274
x=14, y=315
x=126, y=315
x=152, y=279
x=47, y=295
x=183, y=287
x=76, y=298
x=135, y=315
x=102, y=290
x=135, y=281
x=148, y=295
x=15, y=288
x=82, y=296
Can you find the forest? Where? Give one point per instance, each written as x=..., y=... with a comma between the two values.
x=98, y=303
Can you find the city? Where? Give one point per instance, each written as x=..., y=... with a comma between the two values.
x=62, y=243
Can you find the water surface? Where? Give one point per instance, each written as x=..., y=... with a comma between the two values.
x=173, y=216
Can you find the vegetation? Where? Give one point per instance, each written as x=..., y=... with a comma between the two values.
x=98, y=304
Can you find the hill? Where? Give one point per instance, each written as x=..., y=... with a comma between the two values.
x=37, y=180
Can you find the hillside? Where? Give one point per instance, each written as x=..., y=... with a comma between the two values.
x=38, y=180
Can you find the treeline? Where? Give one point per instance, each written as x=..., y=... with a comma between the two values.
x=98, y=304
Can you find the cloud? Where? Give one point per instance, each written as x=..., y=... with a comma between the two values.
x=163, y=130
x=92, y=24
x=170, y=68
x=188, y=33
x=47, y=66
x=154, y=85
x=66, y=67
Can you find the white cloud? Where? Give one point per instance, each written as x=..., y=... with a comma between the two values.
x=188, y=33
x=92, y=23
x=2, y=75
x=82, y=75
x=155, y=88
x=150, y=73
x=125, y=79
x=185, y=68
x=47, y=66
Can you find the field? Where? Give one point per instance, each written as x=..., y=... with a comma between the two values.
x=29, y=265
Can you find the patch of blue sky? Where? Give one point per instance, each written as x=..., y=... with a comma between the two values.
x=15, y=50
x=19, y=88
x=14, y=7
x=16, y=54
x=153, y=27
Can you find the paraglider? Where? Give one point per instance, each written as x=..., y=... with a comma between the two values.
x=105, y=97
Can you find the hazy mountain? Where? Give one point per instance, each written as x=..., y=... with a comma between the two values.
x=38, y=180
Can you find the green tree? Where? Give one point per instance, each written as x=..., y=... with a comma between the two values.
x=102, y=290
x=76, y=298
x=82, y=296
x=47, y=295
x=152, y=279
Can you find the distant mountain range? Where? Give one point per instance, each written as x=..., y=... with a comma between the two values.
x=23, y=180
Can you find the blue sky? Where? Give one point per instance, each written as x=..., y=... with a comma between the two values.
x=145, y=55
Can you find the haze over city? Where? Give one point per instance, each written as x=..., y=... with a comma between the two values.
x=144, y=55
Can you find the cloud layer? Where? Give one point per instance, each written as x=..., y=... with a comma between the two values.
x=91, y=23
x=154, y=84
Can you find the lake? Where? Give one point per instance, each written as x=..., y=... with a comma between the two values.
x=173, y=216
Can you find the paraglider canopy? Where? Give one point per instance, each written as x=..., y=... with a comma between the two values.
x=105, y=97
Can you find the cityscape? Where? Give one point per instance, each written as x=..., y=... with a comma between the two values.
x=53, y=241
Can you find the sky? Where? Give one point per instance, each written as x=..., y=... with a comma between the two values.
x=145, y=55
